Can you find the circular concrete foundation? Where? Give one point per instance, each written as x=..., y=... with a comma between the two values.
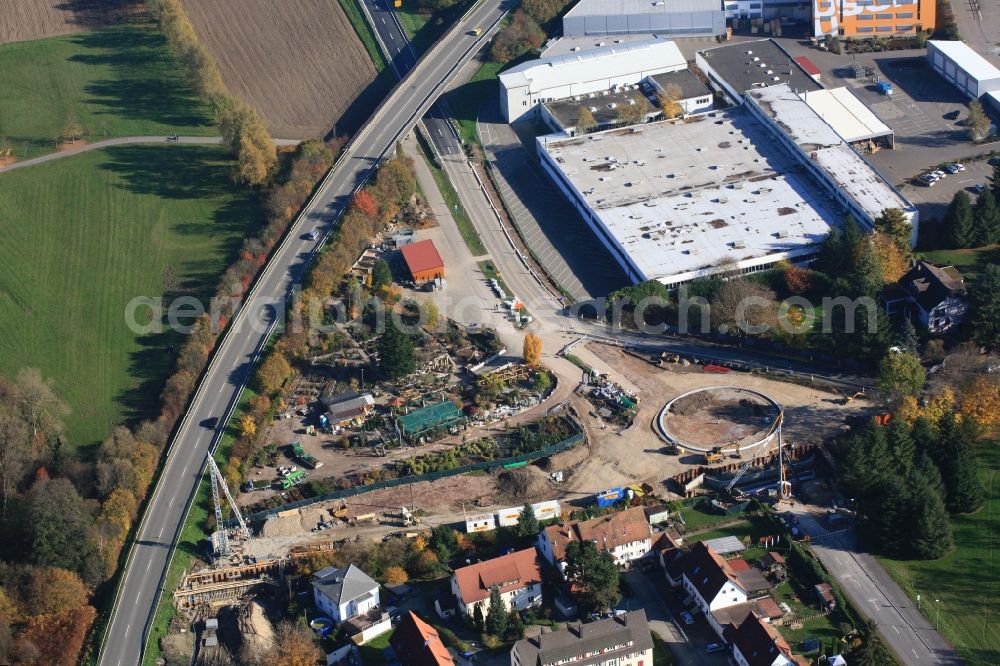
x=729, y=417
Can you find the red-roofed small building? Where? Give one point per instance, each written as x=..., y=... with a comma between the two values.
x=423, y=261
x=518, y=576
x=810, y=68
x=417, y=643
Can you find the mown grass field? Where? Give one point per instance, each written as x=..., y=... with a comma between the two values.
x=969, y=262
x=119, y=81
x=961, y=591
x=86, y=234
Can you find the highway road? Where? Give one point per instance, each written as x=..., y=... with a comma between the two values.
x=222, y=384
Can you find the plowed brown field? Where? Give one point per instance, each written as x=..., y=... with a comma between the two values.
x=21, y=20
x=299, y=62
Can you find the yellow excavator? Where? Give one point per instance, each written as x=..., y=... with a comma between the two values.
x=848, y=399
x=714, y=456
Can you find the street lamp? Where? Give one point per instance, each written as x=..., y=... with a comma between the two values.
x=937, y=614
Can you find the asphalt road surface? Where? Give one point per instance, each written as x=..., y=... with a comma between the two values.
x=220, y=388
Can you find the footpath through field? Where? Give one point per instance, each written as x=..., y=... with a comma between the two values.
x=123, y=140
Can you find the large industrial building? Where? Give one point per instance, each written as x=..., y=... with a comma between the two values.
x=849, y=117
x=856, y=186
x=863, y=18
x=583, y=73
x=734, y=68
x=734, y=191
x=961, y=66
x=675, y=200
x=630, y=17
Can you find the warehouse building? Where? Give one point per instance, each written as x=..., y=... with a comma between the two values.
x=423, y=261
x=629, y=17
x=734, y=68
x=584, y=74
x=849, y=117
x=692, y=97
x=851, y=181
x=961, y=66
x=678, y=200
x=865, y=19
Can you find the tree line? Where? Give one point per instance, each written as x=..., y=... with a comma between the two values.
x=243, y=131
x=907, y=478
x=64, y=521
x=526, y=29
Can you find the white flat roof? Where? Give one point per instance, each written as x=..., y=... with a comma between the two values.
x=565, y=44
x=842, y=164
x=846, y=114
x=967, y=59
x=625, y=7
x=689, y=195
x=725, y=545
x=600, y=63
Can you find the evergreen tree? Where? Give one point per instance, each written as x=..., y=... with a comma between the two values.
x=516, y=625
x=929, y=474
x=986, y=219
x=855, y=472
x=929, y=531
x=958, y=221
x=381, y=275
x=478, y=619
x=496, y=617
x=924, y=437
x=901, y=446
x=887, y=513
x=906, y=338
x=893, y=223
x=986, y=307
x=395, y=349
x=872, y=651
x=527, y=524
x=868, y=276
x=995, y=181
x=964, y=493
x=595, y=572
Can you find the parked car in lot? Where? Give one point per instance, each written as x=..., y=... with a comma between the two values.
x=714, y=647
x=978, y=188
x=928, y=180
x=687, y=617
x=954, y=168
x=938, y=173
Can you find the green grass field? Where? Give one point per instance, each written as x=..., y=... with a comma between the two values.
x=119, y=81
x=961, y=591
x=969, y=262
x=86, y=234
x=466, y=100
x=424, y=29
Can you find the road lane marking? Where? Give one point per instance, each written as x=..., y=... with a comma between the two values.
x=126, y=632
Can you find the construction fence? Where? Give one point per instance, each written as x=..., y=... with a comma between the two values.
x=487, y=465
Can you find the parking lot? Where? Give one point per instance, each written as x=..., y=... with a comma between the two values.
x=932, y=202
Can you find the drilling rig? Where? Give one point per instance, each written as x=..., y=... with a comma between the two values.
x=221, y=537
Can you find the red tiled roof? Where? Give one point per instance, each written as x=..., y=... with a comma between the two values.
x=422, y=256
x=610, y=531
x=707, y=571
x=739, y=565
x=770, y=608
x=418, y=644
x=510, y=572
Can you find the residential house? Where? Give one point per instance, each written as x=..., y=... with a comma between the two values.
x=710, y=580
x=517, y=576
x=347, y=408
x=625, y=534
x=934, y=296
x=417, y=643
x=623, y=640
x=756, y=643
x=344, y=593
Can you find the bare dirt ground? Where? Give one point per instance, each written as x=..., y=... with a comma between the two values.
x=636, y=453
x=720, y=417
x=21, y=20
x=299, y=62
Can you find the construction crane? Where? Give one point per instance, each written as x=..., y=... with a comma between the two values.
x=759, y=450
x=220, y=539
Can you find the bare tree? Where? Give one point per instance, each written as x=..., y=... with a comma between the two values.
x=42, y=409
x=14, y=451
x=743, y=307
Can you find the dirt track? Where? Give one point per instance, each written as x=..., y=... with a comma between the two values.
x=299, y=62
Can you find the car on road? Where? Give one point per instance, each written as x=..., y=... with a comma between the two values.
x=312, y=235
x=687, y=617
x=714, y=647
x=475, y=32
x=954, y=168
x=210, y=422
